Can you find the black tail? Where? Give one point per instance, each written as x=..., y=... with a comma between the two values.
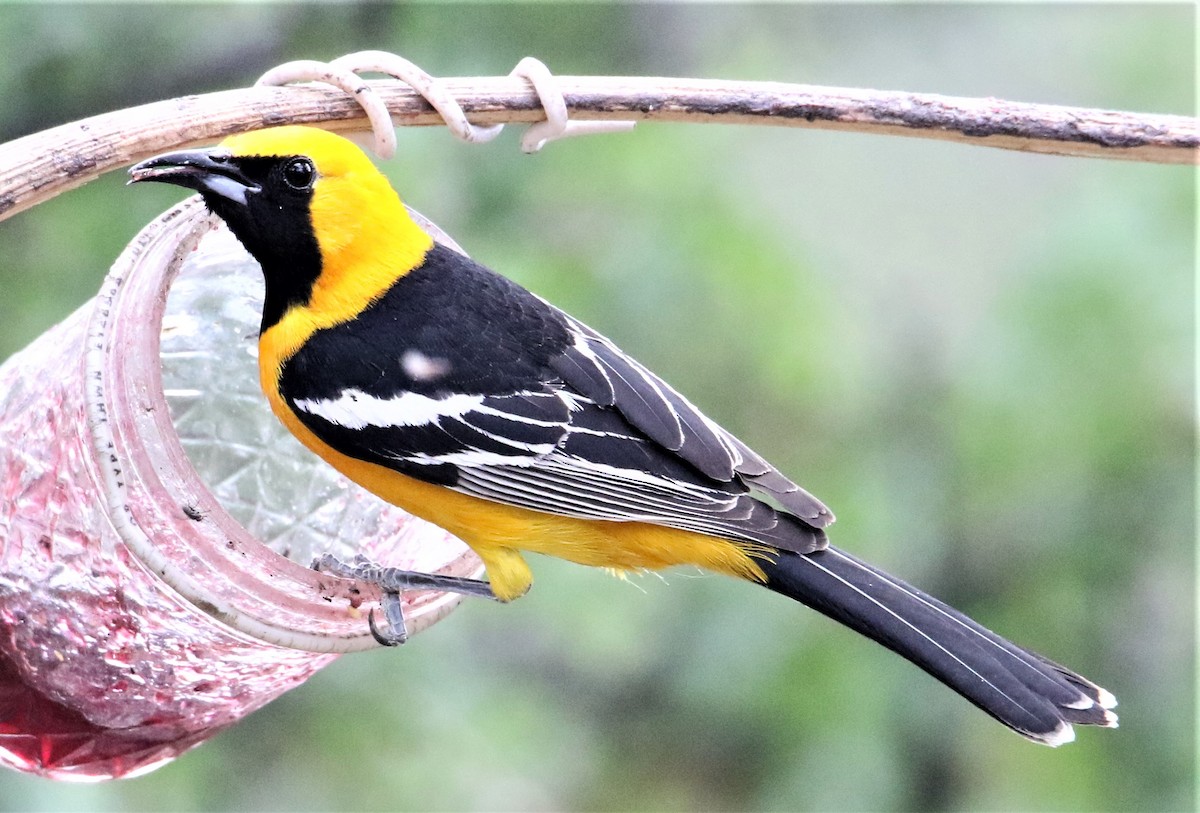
x=1033, y=696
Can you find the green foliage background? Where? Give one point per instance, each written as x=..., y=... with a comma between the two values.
x=982, y=360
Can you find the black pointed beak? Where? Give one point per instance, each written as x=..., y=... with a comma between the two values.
x=212, y=172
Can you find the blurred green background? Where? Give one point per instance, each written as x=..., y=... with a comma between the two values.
x=982, y=360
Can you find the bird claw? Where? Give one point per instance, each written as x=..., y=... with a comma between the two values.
x=393, y=612
x=392, y=581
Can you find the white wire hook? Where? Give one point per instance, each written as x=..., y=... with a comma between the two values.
x=309, y=70
x=557, y=124
x=428, y=86
x=343, y=73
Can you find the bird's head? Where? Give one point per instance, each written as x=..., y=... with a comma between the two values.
x=307, y=204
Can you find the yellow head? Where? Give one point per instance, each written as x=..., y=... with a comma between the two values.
x=310, y=206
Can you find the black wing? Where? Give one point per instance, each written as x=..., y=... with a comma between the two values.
x=531, y=408
x=596, y=367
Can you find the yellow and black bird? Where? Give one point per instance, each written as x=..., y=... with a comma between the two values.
x=461, y=397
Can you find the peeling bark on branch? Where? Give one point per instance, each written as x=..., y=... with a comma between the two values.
x=37, y=167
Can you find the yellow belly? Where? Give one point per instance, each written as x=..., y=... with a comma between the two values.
x=499, y=532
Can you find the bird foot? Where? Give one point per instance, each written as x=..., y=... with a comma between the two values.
x=392, y=581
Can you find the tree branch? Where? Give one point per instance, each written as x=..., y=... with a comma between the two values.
x=39, y=166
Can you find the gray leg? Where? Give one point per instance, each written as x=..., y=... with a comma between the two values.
x=392, y=581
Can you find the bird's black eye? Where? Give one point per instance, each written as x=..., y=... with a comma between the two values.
x=299, y=173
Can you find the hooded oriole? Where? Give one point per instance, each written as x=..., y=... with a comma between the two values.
x=472, y=403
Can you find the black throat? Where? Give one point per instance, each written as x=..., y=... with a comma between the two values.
x=284, y=244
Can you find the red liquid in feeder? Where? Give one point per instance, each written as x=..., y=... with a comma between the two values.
x=40, y=736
